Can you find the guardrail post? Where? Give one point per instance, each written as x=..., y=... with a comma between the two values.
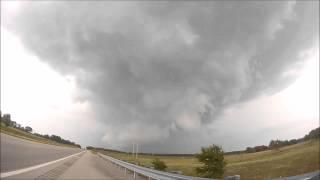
x=134, y=175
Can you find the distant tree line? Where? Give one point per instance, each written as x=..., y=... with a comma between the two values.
x=6, y=120
x=212, y=157
x=140, y=153
x=275, y=144
x=57, y=139
x=103, y=149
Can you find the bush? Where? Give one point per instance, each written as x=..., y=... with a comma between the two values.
x=213, y=161
x=28, y=129
x=159, y=165
x=315, y=133
x=90, y=148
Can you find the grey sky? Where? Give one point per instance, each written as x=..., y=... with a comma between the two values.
x=163, y=74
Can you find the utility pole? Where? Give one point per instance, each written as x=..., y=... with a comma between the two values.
x=137, y=151
x=133, y=150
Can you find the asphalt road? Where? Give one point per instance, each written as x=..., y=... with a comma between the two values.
x=18, y=153
x=308, y=176
x=91, y=166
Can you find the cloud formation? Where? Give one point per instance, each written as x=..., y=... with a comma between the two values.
x=160, y=72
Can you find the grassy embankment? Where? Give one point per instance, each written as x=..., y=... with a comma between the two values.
x=286, y=161
x=28, y=136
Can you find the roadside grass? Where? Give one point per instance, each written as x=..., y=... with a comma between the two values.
x=175, y=163
x=286, y=161
x=28, y=136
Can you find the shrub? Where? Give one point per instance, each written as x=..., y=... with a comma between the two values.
x=159, y=165
x=213, y=161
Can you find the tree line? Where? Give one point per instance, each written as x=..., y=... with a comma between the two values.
x=57, y=139
x=212, y=157
x=275, y=144
x=6, y=120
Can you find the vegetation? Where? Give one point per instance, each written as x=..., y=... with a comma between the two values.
x=28, y=129
x=12, y=128
x=315, y=133
x=285, y=161
x=276, y=144
x=289, y=160
x=213, y=161
x=159, y=165
x=90, y=148
x=28, y=136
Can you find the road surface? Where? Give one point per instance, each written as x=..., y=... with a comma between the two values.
x=91, y=166
x=23, y=159
x=308, y=176
x=17, y=153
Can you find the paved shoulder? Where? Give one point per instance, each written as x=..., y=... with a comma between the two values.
x=308, y=176
x=91, y=166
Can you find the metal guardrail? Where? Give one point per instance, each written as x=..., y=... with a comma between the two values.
x=147, y=172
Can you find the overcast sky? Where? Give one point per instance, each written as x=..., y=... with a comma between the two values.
x=170, y=76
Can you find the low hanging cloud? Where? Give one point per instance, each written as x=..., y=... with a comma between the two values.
x=159, y=72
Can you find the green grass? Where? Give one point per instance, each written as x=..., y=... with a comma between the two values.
x=287, y=161
x=28, y=136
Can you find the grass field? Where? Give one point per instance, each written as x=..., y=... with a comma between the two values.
x=28, y=136
x=287, y=161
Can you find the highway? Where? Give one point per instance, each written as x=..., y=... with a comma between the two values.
x=23, y=159
x=92, y=166
x=17, y=153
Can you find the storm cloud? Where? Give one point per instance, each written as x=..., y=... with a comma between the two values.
x=158, y=73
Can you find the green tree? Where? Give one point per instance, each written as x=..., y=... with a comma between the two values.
x=315, y=133
x=159, y=165
x=28, y=129
x=6, y=118
x=213, y=161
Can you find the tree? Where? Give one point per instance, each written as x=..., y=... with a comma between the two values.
x=28, y=129
x=159, y=165
x=13, y=124
x=315, y=133
x=6, y=118
x=250, y=150
x=213, y=161
x=276, y=144
x=90, y=148
x=46, y=136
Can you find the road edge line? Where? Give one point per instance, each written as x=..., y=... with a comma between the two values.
x=16, y=172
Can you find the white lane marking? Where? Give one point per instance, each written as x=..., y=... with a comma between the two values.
x=12, y=173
